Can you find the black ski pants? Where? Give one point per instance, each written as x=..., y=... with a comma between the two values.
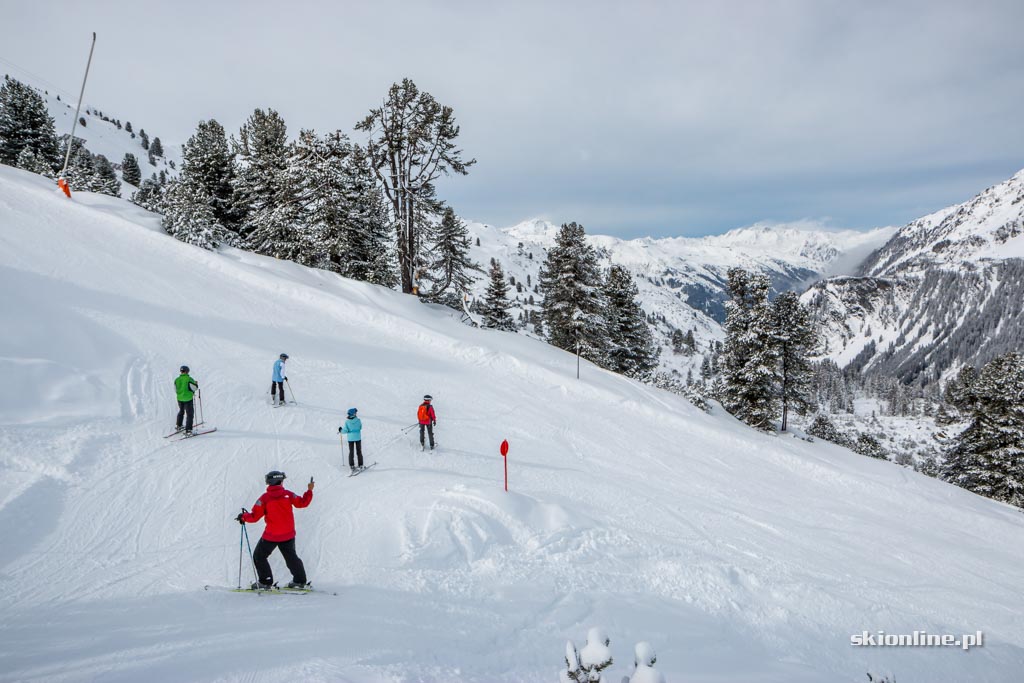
x=262, y=552
x=429, y=429
x=353, y=448
x=186, y=408
x=277, y=388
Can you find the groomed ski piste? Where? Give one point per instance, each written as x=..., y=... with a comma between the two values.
x=739, y=556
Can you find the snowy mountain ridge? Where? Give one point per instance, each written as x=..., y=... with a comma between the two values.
x=988, y=227
x=945, y=290
x=683, y=279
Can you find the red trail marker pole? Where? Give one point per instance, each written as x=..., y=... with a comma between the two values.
x=504, y=457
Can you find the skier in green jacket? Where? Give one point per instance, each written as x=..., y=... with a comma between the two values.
x=185, y=387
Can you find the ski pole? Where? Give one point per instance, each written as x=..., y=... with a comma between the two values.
x=391, y=441
x=289, y=385
x=251, y=560
x=199, y=395
x=412, y=426
x=241, y=547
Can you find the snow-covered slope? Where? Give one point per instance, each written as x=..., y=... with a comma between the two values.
x=102, y=135
x=684, y=279
x=947, y=289
x=739, y=556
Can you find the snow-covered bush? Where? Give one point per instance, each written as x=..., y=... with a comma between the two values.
x=643, y=663
x=824, y=428
x=596, y=655
x=694, y=393
x=868, y=445
x=572, y=672
x=586, y=665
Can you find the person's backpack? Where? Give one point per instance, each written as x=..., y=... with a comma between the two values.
x=423, y=414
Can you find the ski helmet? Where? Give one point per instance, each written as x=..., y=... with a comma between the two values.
x=428, y=398
x=284, y=356
x=352, y=412
x=274, y=478
x=184, y=368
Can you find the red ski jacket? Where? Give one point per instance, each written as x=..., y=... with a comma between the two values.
x=276, y=504
x=425, y=414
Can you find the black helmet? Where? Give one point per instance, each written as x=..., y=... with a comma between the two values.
x=284, y=356
x=274, y=478
x=184, y=368
x=428, y=397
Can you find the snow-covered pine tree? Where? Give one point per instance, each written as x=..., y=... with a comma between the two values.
x=316, y=169
x=750, y=359
x=106, y=178
x=262, y=184
x=451, y=267
x=705, y=368
x=494, y=311
x=150, y=195
x=28, y=161
x=156, y=148
x=130, y=171
x=81, y=171
x=411, y=144
x=368, y=236
x=631, y=348
x=574, y=303
x=25, y=122
x=188, y=216
x=144, y=139
x=988, y=457
x=794, y=338
x=128, y=127
x=689, y=343
x=207, y=162
x=677, y=341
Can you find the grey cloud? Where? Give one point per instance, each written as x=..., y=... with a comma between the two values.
x=634, y=118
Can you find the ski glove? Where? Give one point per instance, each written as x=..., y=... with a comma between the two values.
x=239, y=519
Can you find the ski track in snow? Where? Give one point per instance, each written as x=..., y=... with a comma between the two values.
x=740, y=556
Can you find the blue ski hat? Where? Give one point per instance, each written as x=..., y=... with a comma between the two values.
x=352, y=412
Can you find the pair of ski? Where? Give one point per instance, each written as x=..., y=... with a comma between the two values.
x=281, y=405
x=276, y=590
x=195, y=432
x=356, y=473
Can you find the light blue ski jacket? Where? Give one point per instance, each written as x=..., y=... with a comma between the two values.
x=353, y=429
x=279, y=370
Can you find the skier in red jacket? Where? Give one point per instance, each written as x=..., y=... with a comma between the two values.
x=427, y=419
x=276, y=505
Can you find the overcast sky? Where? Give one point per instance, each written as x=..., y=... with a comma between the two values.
x=634, y=118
